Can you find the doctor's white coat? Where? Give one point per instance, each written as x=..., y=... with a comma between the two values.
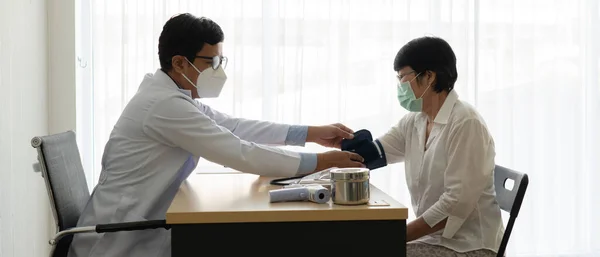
x=155, y=145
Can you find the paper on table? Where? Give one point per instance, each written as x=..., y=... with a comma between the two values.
x=378, y=203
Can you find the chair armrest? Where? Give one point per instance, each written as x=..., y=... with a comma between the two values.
x=71, y=231
x=131, y=226
x=112, y=227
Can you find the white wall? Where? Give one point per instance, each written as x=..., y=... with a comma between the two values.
x=25, y=221
x=37, y=97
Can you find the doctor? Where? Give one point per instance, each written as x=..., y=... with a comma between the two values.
x=448, y=153
x=163, y=131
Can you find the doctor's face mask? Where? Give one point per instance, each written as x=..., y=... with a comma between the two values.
x=210, y=81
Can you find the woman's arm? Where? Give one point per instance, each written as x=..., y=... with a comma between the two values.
x=419, y=228
x=394, y=142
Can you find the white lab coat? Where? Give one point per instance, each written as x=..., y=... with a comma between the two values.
x=154, y=146
x=451, y=175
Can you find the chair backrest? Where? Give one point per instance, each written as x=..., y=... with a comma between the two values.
x=509, y=199
x=60, y=164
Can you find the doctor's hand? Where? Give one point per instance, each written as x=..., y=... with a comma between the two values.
x=338, y=159
x=329, y=135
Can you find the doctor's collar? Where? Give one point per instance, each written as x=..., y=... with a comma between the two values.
x=162, y=75
x=167, y=73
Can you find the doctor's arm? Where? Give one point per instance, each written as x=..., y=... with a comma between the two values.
x=469, y=171
x=178, y=123
x=262, y=132
x=270, y=133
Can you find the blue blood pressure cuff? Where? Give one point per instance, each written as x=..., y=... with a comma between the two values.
x=363, y=144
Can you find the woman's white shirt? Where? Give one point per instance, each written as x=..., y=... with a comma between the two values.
x=451, y=175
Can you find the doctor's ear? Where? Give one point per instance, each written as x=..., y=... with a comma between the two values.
x=178, y=62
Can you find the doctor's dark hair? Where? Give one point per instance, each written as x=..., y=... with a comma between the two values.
x=429, y=54
x=185, y=35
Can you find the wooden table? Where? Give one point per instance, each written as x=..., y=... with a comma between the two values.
x=230, y=215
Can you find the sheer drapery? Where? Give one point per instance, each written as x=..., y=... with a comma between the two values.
x=530, y=67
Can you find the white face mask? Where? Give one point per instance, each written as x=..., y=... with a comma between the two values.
x=210, y=82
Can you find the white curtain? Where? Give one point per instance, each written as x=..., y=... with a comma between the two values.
x=530, y=67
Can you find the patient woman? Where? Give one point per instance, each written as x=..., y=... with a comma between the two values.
x=448, y=154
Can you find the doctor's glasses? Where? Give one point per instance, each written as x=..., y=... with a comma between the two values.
x=216, y=61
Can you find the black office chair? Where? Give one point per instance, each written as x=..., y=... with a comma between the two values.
x=509, y=199
x=60, y=165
